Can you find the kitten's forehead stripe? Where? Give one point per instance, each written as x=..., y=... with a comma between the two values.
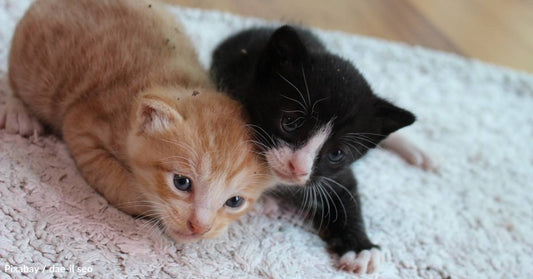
x=298, y=163
x=317, y=140
x=308, y=152
x=239, y=167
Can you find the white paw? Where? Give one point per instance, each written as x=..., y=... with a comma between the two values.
x=418, y=158
x=16, y=120
x=411, y=153
x=367, y=261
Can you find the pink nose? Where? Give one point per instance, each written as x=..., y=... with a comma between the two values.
x=296, y=170
x=196, y=227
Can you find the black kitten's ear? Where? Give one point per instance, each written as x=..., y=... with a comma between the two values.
x=392, y=118
x=284, y=49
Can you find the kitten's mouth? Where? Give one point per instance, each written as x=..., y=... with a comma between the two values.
x=185, y=237
x=289, y=179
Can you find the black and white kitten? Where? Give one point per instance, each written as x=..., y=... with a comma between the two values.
x=314, y=114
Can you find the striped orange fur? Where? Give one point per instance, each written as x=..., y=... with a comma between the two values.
x=120, y=82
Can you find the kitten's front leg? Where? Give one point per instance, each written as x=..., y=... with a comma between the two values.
x=411, y=153
x=16, y=118
x=343, y=227
x=103, y=171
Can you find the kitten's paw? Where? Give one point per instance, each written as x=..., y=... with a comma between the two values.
x=411, y=153
x=16, y=119
x=418, y=158
x=367, y=261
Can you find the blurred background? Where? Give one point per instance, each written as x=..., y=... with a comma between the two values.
x=497, y=31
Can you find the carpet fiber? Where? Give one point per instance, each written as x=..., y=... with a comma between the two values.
x=474, y=219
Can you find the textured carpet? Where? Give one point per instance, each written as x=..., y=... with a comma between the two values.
x=472, y=220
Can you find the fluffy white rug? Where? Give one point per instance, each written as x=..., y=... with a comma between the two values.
x=473, y=220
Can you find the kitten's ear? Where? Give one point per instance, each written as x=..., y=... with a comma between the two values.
x=392, y=118
x=284, y=49
x=154, y=115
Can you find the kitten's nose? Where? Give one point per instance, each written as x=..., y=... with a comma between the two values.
x=297, y=170
x=197, y=227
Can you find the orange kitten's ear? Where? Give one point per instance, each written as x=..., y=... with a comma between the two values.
x=154, y=115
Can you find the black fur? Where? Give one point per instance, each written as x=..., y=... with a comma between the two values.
x=257, y=67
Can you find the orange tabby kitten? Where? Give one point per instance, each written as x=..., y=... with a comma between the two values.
x=120, y=81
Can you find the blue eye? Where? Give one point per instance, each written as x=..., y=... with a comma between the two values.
x=336, y=155
x=182, y=183
x=234, y=202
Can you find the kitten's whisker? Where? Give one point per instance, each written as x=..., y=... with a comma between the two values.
x=371, y=134
x=366, y=138
x=152, y=213
x=353, y=147
x=262, y=133
x=307, y=198
x=363, y=136
x=296, y=101
x=322, y=197
x=155, y=226
x=342, y=187
x=324, y=205
x=370, y=141
x=150, y=224
x=260, y=154
x=294, y=111
x=299, y=92
x=312, y=208
x=154, y=208
x=158, y=201
x=332, y=201
x=136, y=202
x=340, y=200
x=350, y=149
x=315, y=202
x=364, y=145
x=316, y=103
x=259, y=144
x=360, y=144
x=302, y=205
x=258, y=135
x=306, y=87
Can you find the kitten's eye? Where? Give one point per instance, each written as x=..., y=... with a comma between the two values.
x=234, y=202
x=336, y=156
x=182, y=183
x=290, y=123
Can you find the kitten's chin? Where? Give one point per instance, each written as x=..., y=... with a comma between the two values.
x=183, y=238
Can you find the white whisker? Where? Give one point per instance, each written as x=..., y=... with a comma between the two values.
x=306, y=87
x=299, y=92
x=296, y=101
x=338, y=197
x=316, y=103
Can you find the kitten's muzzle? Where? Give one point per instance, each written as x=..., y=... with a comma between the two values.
x=198, y=228
x=291, y=179
x=296, y=170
